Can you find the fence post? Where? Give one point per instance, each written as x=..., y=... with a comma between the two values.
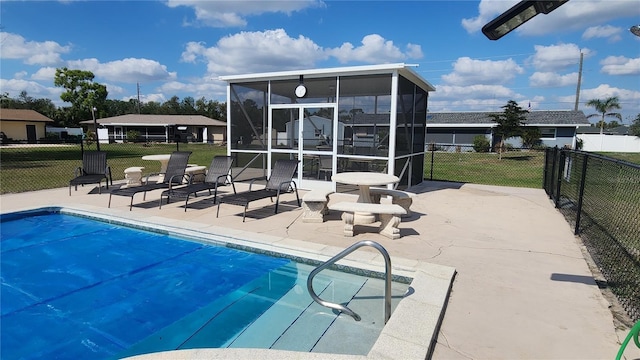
x=554, y=192
x=544, y=171
x=433, y=149
x=561, y=164
x=583, y=177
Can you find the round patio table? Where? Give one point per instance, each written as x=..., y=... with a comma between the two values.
x=164, y=161
x=364, y=180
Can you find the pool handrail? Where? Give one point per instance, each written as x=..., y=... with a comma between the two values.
x=343, y=253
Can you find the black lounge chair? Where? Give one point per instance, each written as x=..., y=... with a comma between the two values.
x=94, y=168
x=219, y=174
x=280, y=181
x=174, y=175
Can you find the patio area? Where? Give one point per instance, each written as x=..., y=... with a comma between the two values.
x=523, y=289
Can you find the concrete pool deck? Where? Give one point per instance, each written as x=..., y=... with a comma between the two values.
x=523, y=289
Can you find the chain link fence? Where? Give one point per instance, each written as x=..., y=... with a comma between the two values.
x=600, y=197
x=46, y=166
x=517, y=167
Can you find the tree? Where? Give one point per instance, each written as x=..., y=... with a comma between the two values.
x=603, y=108
x=634, y=129
x=81, y=92
x=510, y=123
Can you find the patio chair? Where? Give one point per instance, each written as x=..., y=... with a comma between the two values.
x=325, y=165
x=94, y=168
x=174, y=175
x=219, y=174
x=280, y=181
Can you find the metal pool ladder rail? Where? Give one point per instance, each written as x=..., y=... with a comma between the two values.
x=343, y=253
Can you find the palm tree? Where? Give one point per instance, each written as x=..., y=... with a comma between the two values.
x=603, y=107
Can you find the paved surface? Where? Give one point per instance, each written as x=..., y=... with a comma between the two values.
x=522, y=291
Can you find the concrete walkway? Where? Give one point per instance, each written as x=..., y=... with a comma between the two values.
x=522, y=291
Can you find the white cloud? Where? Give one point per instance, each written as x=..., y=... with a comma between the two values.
x=275, y=50
x=115, y=90
x=374, y=49
x=573, y=15
x=246, y=52
x=128, y=70
x=475, y=92
x=145, y=98
x=198, y=88
x=34, y=89
x=629, y=99
x=467, y=71
x=620, y=65
x=604, y=91
x=557, y=57
x=487, y=10
x=605, y=31
x=234, y=13
x=31, y=52
x=551, y=79
x=44, y=74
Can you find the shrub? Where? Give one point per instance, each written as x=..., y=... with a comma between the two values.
x=133, y=135
x=481, y=144
x=531, y=137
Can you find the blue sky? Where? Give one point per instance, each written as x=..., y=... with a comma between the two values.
x=181, y=47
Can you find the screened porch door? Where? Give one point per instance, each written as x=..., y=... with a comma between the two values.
x=305, y=133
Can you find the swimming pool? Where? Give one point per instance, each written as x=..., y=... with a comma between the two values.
x=77, y=288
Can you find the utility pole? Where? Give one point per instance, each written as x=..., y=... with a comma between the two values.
x=579, y=83
x=95, y=126
x=138, y=86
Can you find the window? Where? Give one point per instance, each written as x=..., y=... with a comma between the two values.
x=547, y=133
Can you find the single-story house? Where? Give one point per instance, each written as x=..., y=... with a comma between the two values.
x=23, y=125
x=557, y=127
x=161, y=128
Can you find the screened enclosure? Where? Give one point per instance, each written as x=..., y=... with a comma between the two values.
x=365, y=118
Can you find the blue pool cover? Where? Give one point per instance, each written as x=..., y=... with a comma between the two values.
x=78, y=288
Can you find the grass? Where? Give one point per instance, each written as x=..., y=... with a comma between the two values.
x=633, y=158
x=29, y=169
x=516, y=168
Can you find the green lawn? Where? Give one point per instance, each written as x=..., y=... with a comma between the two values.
x=29, y=169
x=633, y=158
x=516, y=168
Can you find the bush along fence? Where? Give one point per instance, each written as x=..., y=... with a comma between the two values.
x=600, y=197
x=518, y=167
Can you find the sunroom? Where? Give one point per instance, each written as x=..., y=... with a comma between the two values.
x=361, y=118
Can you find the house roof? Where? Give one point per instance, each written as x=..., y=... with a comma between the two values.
x=533, y=118
x=619, y=130
x=22, y=115
x=157, y=120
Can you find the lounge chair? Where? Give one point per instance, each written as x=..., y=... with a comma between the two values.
x=174, y=175
x=94, y=168
x=219, y=174
x=280, y=181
